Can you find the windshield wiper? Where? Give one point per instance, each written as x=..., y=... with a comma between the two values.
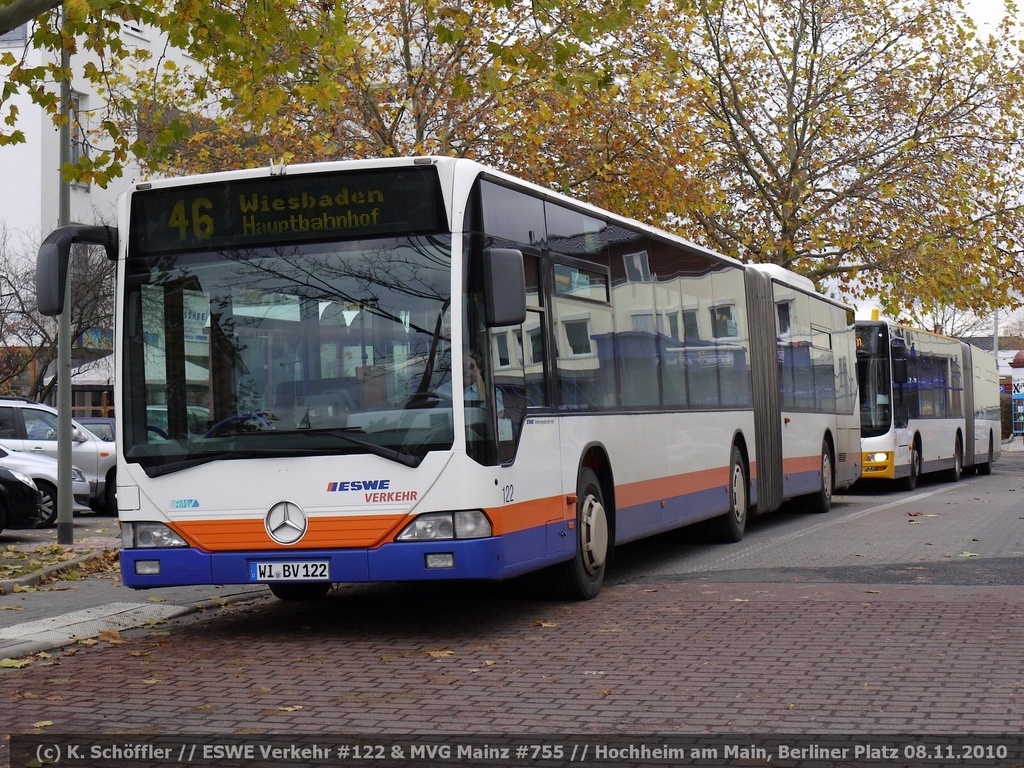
x=408, y=459
x=391, y=454
x=157, y=470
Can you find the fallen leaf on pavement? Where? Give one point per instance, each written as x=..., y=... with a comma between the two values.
x=111, y=636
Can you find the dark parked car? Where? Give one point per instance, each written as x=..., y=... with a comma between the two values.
x=19, y=500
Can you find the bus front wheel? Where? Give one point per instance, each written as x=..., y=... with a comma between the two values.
x=910, y=481
x=300, y=590
x=821, y=501
x=581, y=578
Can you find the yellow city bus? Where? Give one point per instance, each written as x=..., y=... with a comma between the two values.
x=929, y=403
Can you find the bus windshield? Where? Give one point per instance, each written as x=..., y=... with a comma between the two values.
x=874, y=379
x=299, y=349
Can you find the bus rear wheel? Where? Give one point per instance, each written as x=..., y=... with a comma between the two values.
x=954, y=473
x=986, y=468
x=581, y=578
x=733, y=523
x=821, y=501
x=300, y=591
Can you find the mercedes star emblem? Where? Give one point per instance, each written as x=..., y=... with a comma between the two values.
x=286, y=522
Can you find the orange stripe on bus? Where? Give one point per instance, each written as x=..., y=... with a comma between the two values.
x=530, y=514
x=373, y=530
x=323, y=532
x=634, y=494
x=802, y=464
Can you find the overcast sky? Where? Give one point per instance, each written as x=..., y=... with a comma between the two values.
x=986, y=12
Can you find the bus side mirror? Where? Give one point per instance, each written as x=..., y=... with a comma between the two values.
x=51, y=278
x=504, y=287
x=899, y=370
x=900, y=354
x=52, y=261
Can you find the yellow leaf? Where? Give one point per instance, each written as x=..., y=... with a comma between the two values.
x=440, y=654
x=15, y=663
x=42, y=723
x=294, y=708
x=545, y=624
x=111, y=636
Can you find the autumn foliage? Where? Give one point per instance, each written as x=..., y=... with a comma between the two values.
x=873, y=147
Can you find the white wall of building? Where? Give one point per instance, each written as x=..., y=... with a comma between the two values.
x=29, y=172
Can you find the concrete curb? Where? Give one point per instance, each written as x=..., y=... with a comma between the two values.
x=31, y=579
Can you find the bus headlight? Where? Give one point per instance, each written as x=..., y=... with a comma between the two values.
x=442, y=526
x=149, y=536
x=878, y=457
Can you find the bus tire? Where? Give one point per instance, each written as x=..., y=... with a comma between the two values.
x=954, y=473
x=733, y=523
x=986, y=467
x=821, y=501
x=300, y=590
x=910, y=481
x=581, y=578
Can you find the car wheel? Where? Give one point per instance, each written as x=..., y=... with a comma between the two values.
x=48, y=505
x=110, y=495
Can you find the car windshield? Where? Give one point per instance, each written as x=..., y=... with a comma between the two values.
x=288, y=350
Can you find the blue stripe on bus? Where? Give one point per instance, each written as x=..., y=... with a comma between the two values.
x=491, y=559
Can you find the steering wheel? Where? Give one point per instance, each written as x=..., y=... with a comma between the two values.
x=236, y=419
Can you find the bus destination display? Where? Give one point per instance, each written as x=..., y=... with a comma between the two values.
x=264, y=211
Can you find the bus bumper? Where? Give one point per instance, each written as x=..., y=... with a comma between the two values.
x=405, y=561
x=878, y=465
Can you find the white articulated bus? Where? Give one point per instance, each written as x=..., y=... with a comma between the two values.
x=929, y=403
x=414, y=369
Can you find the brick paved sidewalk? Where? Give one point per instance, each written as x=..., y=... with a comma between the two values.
x=645, y=657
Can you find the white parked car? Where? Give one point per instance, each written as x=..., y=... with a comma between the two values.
x=43, y=470
x=31, y=427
